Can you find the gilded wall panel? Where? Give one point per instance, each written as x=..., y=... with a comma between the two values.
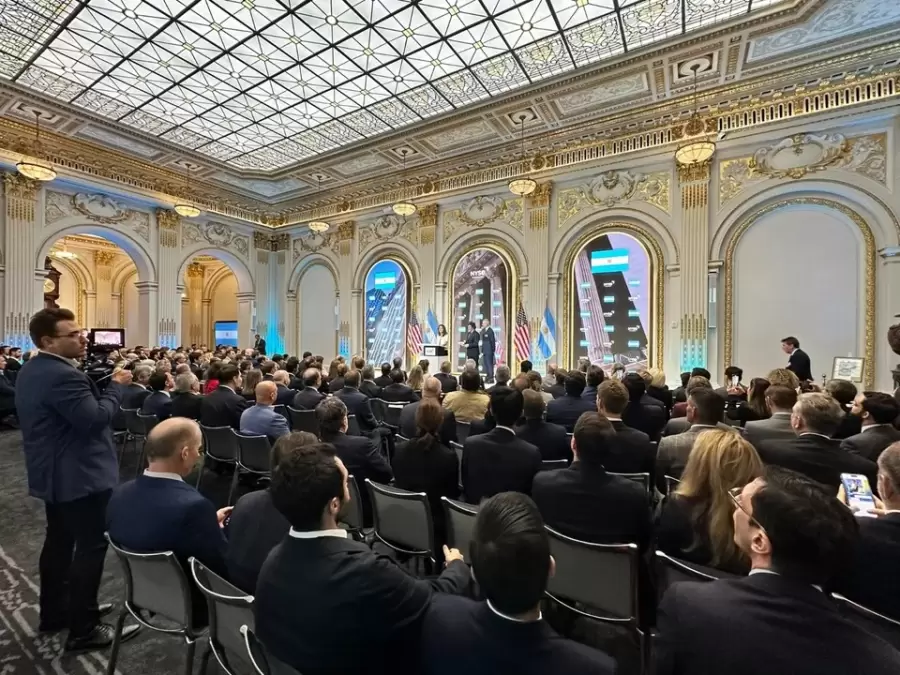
x=615, y=188
x=481, y=211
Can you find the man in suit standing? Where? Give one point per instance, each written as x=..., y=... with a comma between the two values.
x=780, y=401
x=259, y=344
x=812, y=452
x=158, y=511
x=471, y=343
x=448, y=382
x=317, y=578
x=488, y=348
x=368, y=386
x=70, y=457
x=704, y=411
x=224, y=406
x=308, y=397
x=566, y=409
x=186, y=397
x=499, y=461
x=397, y=392
x=505, y=633
x=630, y=450
x=797, y=537
x=261, y=419
x=798, y=361
x=877, y=412
x=431, y=389
x=550, y=439
x=159, y=402
x=137, y=390
x=585, y=501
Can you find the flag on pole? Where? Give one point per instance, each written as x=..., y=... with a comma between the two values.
x=432, y=323
x=547, y=338
x=522, y=336
x=414, y=335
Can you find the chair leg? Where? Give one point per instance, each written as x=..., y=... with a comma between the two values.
x=234, y=482
x=189, y=657
x=117, y=641
x=140, y=463
x=204, y=660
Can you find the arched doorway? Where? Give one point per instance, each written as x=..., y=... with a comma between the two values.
x=209, y=304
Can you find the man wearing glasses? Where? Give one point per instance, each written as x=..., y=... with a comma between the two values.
x=779, y=619
x=71, y=461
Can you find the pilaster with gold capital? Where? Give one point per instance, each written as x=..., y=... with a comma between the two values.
x=22, y=294
x=694, y=183
x=426, y=259
x=168, y=263
x=537, y=243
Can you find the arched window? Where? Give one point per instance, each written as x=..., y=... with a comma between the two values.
x=386, y=311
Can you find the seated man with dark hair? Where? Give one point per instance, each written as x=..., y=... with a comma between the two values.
x=798, y=538
x=327, y=604
x=630, y=450
x=594, y=378
x=397, y=391
x=468, y=403
x=705, y=410
x=701, y=372
x=384, y=379
x=358, y=404
x=551, y=439
x=780, y=401
x=499, y=461
x=506, y=633
x=525, y=366
x=565, y=410
x=844, y=392
x=877, y=412
x=587, y=502
x=159, y=402
x=680, y=394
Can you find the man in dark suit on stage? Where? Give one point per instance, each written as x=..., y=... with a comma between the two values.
x=488, y=348
x=448, y=382
x=308, y=397
x=778, y=619
x=877, y=412
x=259, y=344
x=159, y=402
x=499, y=461
x=798, y=361
x=551, y=439
x=328, y=604
x=506, y=632
x=630, y=450
x=224, y=406
x=71, y=461
x=471, y=343
x=566, y=409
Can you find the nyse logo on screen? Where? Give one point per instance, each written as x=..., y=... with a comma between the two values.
x=477, y=274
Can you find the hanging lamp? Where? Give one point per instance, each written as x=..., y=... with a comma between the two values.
x=700, y=149
x=404, y=207
x=36, y=168
x=186, y=209
x=318, y=226
x=523, y=185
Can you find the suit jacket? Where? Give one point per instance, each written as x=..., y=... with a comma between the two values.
x=498, y=461
x=872, y=580
x=468, y=406
x=399, y=393
x=7, y=391
x=134, y=396
x=308, y=587
x=557, y=390
x=590, y=393
x=260, y=346
x=254, y=528
x=778, y=426
x=817, y=457
x=363, y=460
x=872, y=441
x=799, y=364
x=850, y=426
x=335, y=385
x=448, y=382
x=186, y=405
x=588, y=503
x=307, y=398
x=222, y=408
x=262, y=420
x=158, y=403
x=358, y=404
x=464, y=636
x=383, y=380
x=471, y=343
x=488, y=342
x=370, y=389
x=566, y=410
x=285, y=395
x=66, y=430
x=631, y=451
x=673, y=453
x=709, y=628
x=678, y=425
x=447, y=431
x=649, y=416
x=434, y=471
x=550, y=439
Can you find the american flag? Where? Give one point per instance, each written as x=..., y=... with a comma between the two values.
x=414, y=335
x=523, y=335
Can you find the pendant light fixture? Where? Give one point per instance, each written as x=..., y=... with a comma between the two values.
x=318, y=226
x=404, y=207
x=186, y=209
x=523, y=185
x=36, y=168
x=699, y=149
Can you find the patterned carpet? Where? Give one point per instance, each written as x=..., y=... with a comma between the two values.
x=24, y=651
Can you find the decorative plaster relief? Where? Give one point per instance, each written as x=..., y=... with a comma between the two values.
x=461, y=134
x=385, y=228
x=481, y=211
x=613, y=188
x=311, y=242
x=603, y=93
x=219, y=235
x=96, y=208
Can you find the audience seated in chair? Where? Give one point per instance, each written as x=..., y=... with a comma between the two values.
x=680, y=393
x=630, y=451
x=506, y=632
x=261, y=419
x=285, y=396
x=812, y=451
x=158, y=511
x=336, y=379
x=327, y=604
x=585, y=501
x=368, y=385
x=308, y=397
x=777, y=620
x=397, y=391
x=754, y=408
x=780, y=401
x=550, y=439
x=695, y=521
x=384, y=379
x=502, y=376
x=877, y=412
x=137, y=391
x=186, y=397
x=844, y=392
x=358, y=404
x=256, y=526
x=594, y=378
x=657, y=387
x=733, y=390
x=704, y=412
x=467, y=403
x=499, y=461
x=565, y=410
x=556, y=382
x=249, y=379
x=644, y=412
x=159, y=402
x=224, y=407
x=448, y=382
x=431, y=390
x=678, y=424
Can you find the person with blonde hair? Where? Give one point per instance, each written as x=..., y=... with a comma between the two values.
x=657, y=388
x=782, y=377
x=695, y=522
x=416, y=379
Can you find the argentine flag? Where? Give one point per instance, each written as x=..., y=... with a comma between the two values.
x=547, y=338
x=431, y=323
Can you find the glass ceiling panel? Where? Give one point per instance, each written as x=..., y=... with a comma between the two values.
x=261, y=84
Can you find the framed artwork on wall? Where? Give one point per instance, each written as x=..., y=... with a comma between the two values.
x=848, y=368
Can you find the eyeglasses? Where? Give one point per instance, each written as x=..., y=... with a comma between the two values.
x=72, y=334
x=735, y=494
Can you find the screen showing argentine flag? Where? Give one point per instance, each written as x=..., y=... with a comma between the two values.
x=603, y=262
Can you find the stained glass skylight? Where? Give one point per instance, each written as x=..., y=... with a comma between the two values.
x=262, y=84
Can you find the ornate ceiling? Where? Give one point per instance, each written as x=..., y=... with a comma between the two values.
x=263, y=99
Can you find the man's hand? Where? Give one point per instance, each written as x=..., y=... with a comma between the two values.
x=451, y=554
x=222, y=514
x=122, y=377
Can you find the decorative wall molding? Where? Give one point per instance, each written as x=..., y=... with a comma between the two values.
x=483, y=210
x=386, y=228
x=95, y=208
x=168, y=222
x=219, y=235
x=311, y=242
x=615, y=188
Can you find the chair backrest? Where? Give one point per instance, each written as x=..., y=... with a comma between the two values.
x=229, y=609
x=460, y=519
x=304, y=420
x=400, y=438
x=458, y=449
x=379, y=408
x=254, y=453
x=353, y=426
x=119, y=422
x=221, y=443
x=392, y=413
x=402, y=519
x=156, y=582
x=595, y=580
x=642, y=479
x=282, y=410
x=886, y=628
x=133, y=423
x=671, y=484
x=462, y=430
x=551, y=464
x=353, y=516
x=255, y=653
x=149, y=421
x=670, y=570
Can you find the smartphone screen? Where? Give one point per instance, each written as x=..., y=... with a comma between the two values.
x=735, y=380
x=859, y=493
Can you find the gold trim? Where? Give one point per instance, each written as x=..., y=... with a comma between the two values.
x=512, y=289
x=657, y=266
x=870, y=262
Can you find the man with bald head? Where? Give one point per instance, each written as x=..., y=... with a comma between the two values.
x=158, y=511
x=431, y=389
x=261, y=419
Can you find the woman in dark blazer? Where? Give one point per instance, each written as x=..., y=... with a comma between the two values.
x=471, y=342
x=423, y=464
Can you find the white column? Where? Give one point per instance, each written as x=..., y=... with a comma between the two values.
x=346, y=235
x=262, y=244
x=204, y=331
x=537, y=236
x=195, y=272
x=357, y=328
x=278, y=318
x=104, y=311
x=245, y=317
x=168, y=261
x=148, y=303
x=289, y=321
x=428, y=218
x=23, y=283
x=90, y=309
x=694, y=264
x=185, y=324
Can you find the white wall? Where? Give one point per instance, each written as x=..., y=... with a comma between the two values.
x=798, y=271
x=132, y=318
x=317, y=307
x=224, y=302
x=68, y=291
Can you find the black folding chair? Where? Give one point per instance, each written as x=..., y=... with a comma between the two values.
x=220, y=444
x=262, y=661
x=134, y=429
x=402, y=520
x=379, y=409
x=669, y=570
x=886, y=628
x=671, y=484
x=155, y=583
x=462, y=430
x=147, y=422
x=254, y=454
x=460, y=519
x=353, y=426
x=553, y=464
x=458, y=449
x=643, y=479
x=282, y=410
x=392, y=414
x=303, y=420
x=353, y=516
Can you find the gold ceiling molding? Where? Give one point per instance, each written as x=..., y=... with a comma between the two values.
x=614, y=188
x=869, y=261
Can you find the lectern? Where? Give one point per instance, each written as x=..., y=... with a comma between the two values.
x=435, y=355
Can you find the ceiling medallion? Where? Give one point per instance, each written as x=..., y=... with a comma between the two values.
x=699, y=149
x=36, y=168
x=522, y=185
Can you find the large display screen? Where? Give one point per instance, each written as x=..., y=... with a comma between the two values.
x=386, y=312
x=226, y=333
x=480, y=291
x=611, y=315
